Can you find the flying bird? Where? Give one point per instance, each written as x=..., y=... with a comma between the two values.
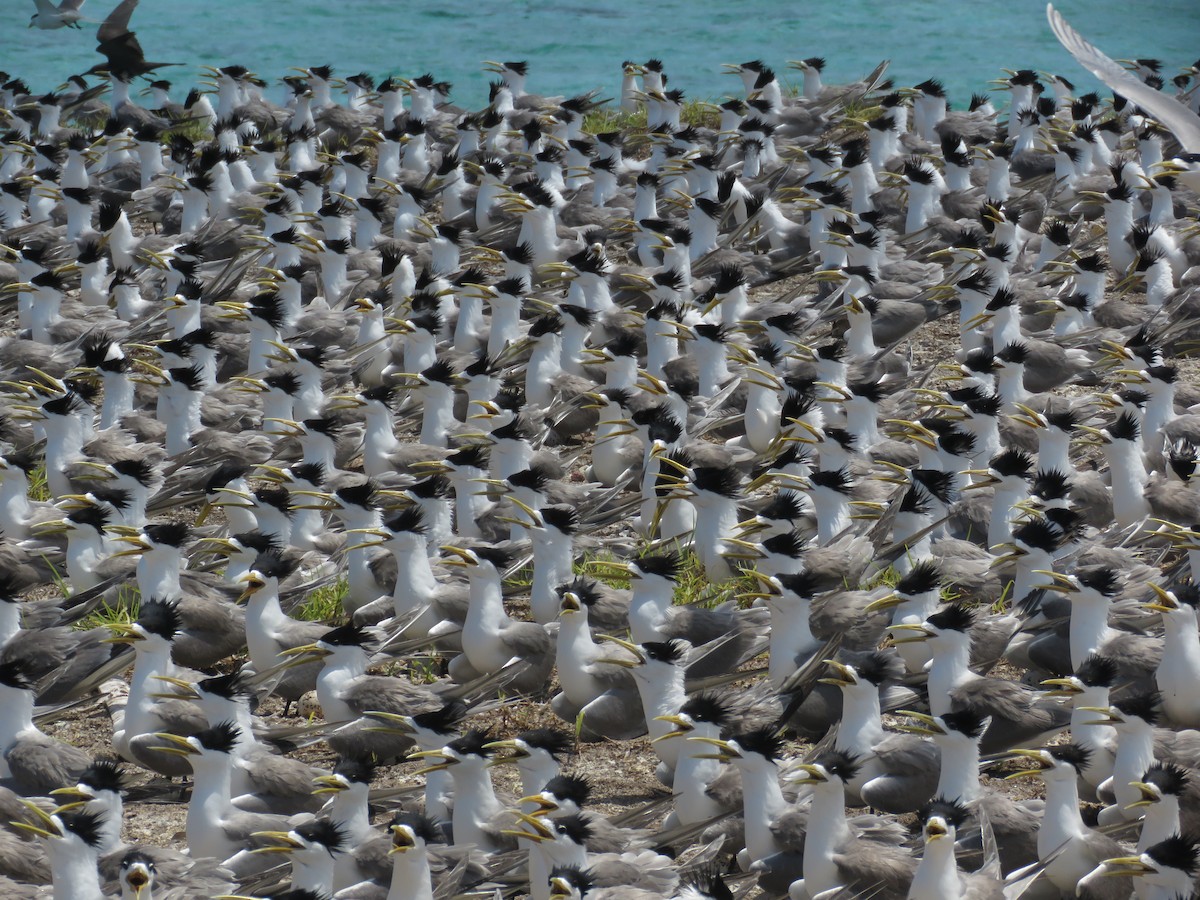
x=1174, y=116
x=49, y=16
x=120, y=47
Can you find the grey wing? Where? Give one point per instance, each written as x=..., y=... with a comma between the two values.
x=645, y=870
x=392, y=695
x=614, y=715
x=879, y=829
x=1015, y=826
x=978, y=886
x=451, y=602
x=754, y=707
x=240, y=826
x=180, y=717
x=22, y=860
x=446, y=861
x=611, y=612
x=297, y=633
x=909, y=777
x=989, y=640
x=875, y=866
x=70, y=4
x=1181, y=747
x=697, y=624
x=1189, y=810
x=282, y=776
x=374, y=859
x=14, y=890
x=42, y=651
x=13, y=809
x=606, y=837
x=529, y=640
x=1181, y=121
x=117, y=22
x=790, y=828
x=860, y=630
x=40, y=764
x=612, y=678
x=1135, y=654
x=87, y=660
x=993, y=697
x=726, y=788
x=1101, y=847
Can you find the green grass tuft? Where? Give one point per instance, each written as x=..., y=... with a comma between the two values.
x=699, y=113
x=889, y=577
x=583, y=566
x=325, y=603
x=603, y=119
x=860, y=111
x=578, y=730
x=39, y=488
x=124, y=610
x=521, y=578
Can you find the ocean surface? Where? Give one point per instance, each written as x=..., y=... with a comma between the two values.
x=574, y=46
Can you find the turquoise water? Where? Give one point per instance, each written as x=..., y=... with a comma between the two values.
x=575, y=46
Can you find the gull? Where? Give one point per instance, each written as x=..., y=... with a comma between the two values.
x=1172, y=114
x=49, y=16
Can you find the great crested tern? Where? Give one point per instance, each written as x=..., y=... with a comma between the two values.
x=1068, y=849
x=938, y=874
x=478, y=816
x=49, y=16
x=215, y=827
x=34, y=762
x=71, y=840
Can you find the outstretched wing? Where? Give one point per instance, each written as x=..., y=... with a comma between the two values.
x=1172, y=114
x=117, y=22
x=123, y=52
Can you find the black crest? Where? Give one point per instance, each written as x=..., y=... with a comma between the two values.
x=966, y=722
x=160, y=617
x=1146, y=706
x=665, y=565
x=926, y=575
x=707, y=708
x=952, y=617
x=575, y=788
x=1097, y=671
x=221, y=738
x=473, y=743
x=766, y=742
x=670, y=652
x=420, y=825
x=554, y=741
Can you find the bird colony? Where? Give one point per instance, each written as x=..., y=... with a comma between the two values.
x=840, y=444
